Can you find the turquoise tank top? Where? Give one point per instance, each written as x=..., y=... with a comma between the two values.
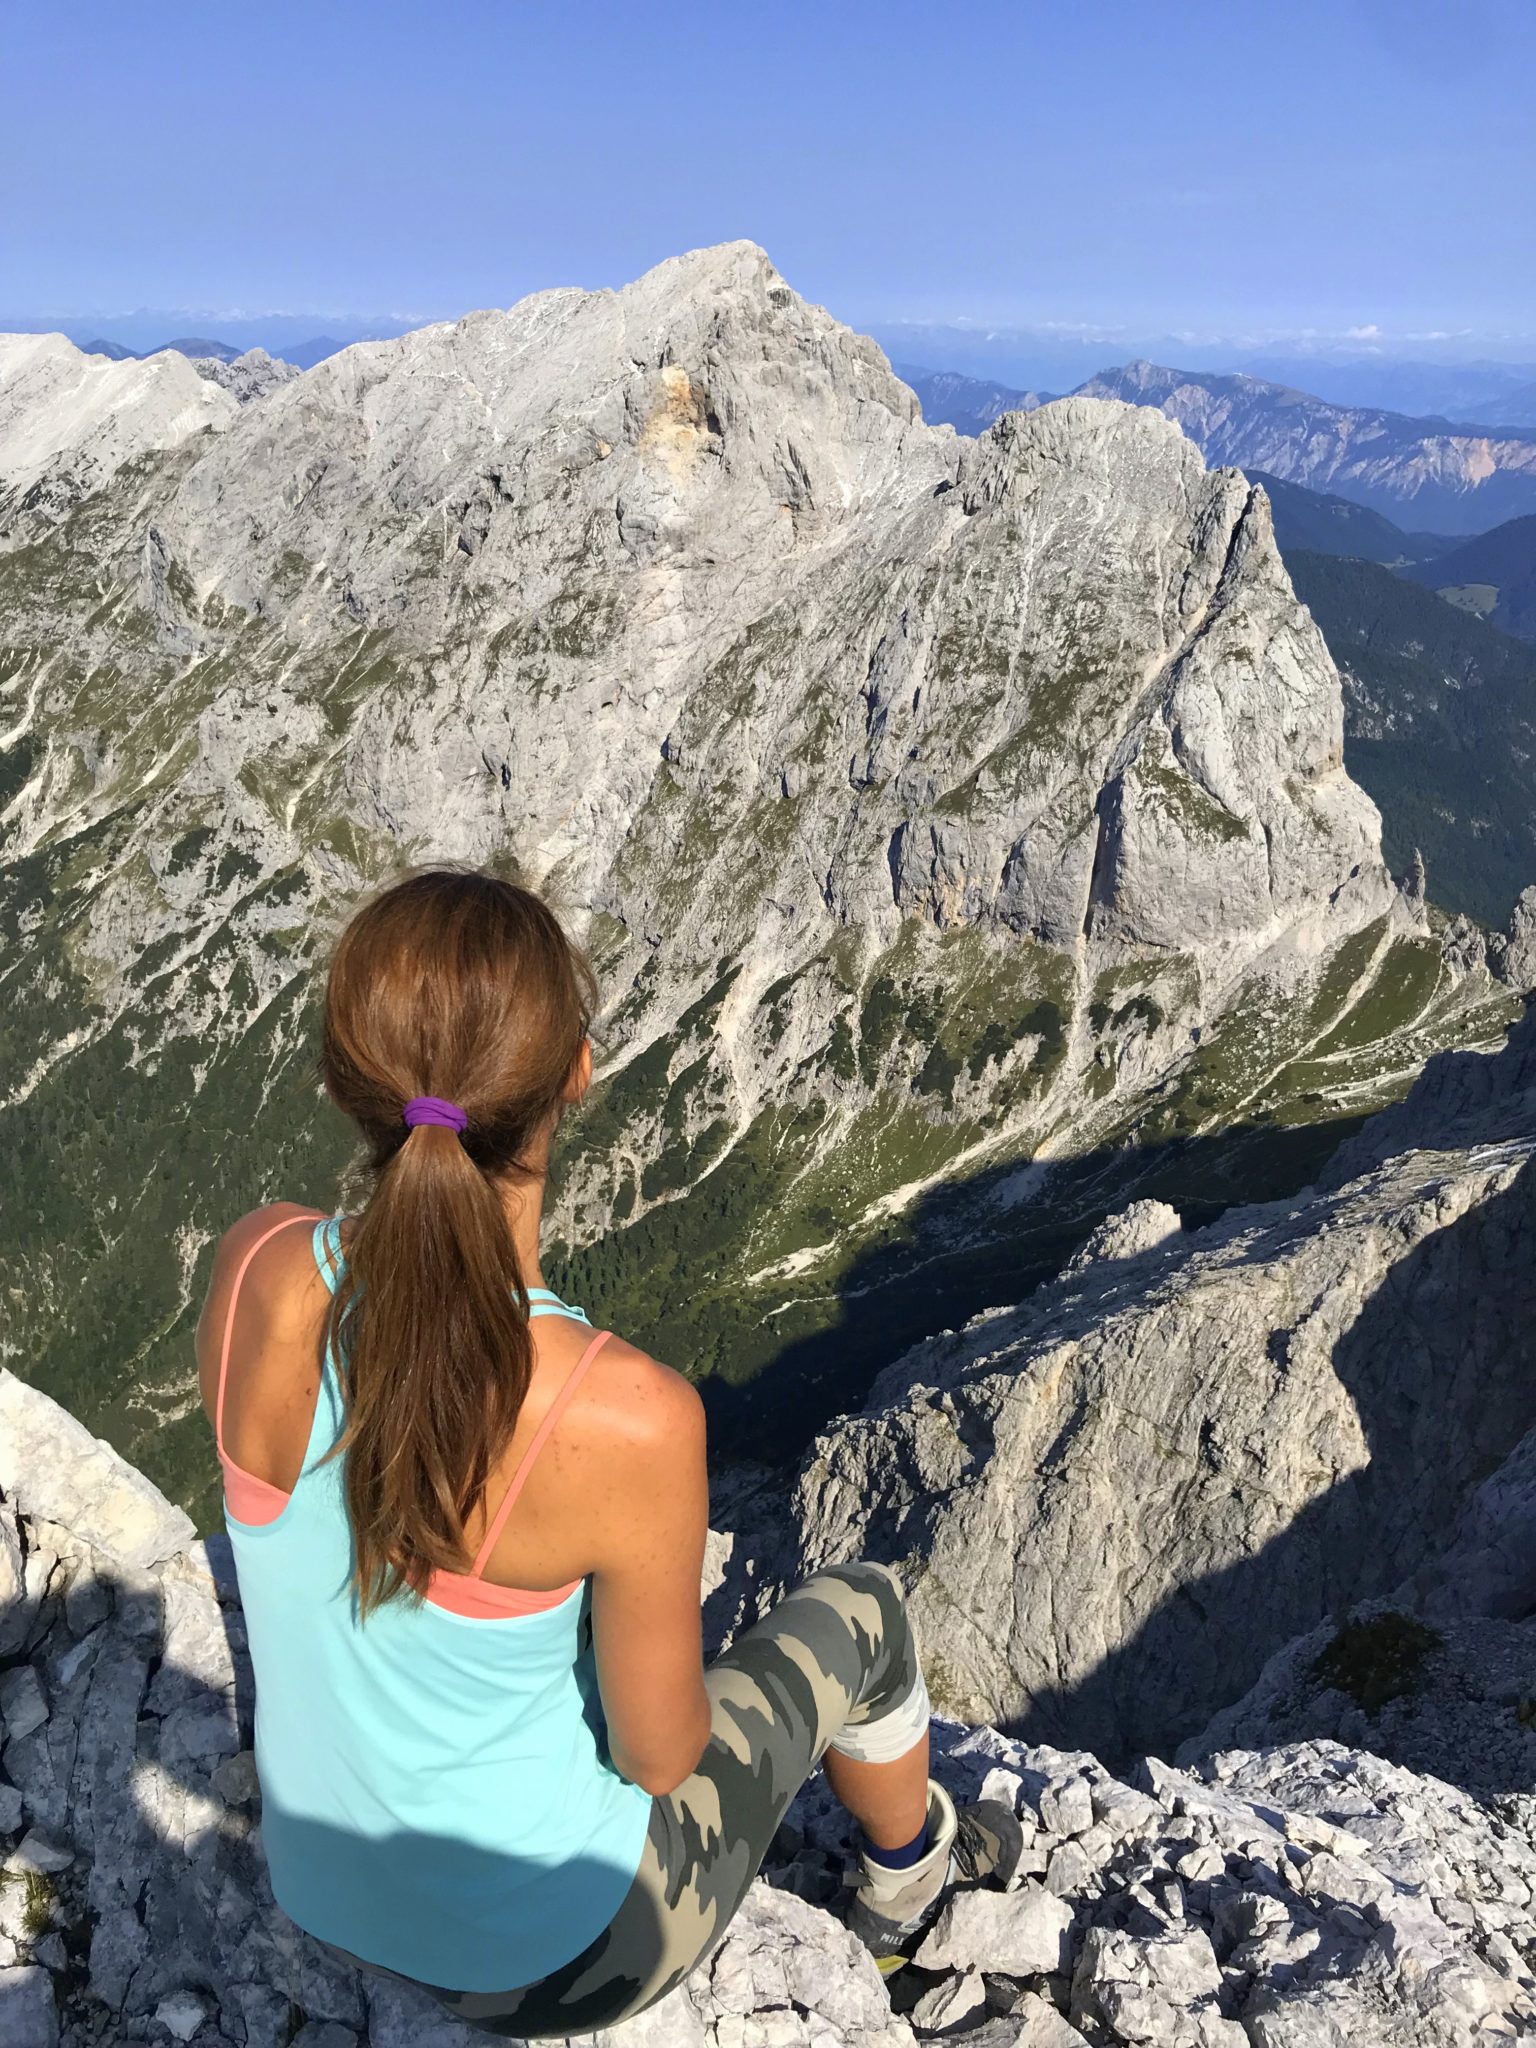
x=436, y=1794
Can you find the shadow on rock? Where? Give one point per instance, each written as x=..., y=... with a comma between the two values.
x=1445, y=1346
x=136, y=1904
x=966, y=1247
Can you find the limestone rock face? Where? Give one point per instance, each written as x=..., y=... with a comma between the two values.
x=1143, y=1227
x=1262, y=1896
x=1070, y=610
x=1448, y=1698
x=1112, y=1504
x=53, y=1470
x=1515, y=957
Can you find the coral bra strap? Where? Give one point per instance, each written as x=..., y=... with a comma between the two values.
x=310, y=1218
x=557, y=1408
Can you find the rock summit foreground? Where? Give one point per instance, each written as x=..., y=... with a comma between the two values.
x=1306, y=1895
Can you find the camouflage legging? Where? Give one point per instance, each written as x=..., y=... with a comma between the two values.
x=835, y=1656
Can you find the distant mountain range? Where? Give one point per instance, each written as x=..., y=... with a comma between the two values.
x=1451, y=479
x=300, y=338
x=1433, y=383
x=195, y=345
x=302, y=355
x=1420, y=472
x=968, y=404
x=1489, y=394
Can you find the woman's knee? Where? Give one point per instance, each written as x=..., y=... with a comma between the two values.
x=863, y=1578
x=863, y=1574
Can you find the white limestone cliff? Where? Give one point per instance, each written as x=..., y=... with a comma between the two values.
x=69, y=422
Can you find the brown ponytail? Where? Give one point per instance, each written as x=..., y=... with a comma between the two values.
x=457, y=984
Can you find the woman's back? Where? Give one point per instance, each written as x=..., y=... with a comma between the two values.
x=437, y=1794
x=469, y=1534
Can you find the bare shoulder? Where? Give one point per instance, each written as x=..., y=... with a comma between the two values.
x=640, y=1405
x=281, y=1268
x=247, y=1233
x=249, y=1229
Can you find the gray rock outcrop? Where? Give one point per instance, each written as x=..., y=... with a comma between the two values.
x=252, y=375
x=1112, y=1504
x=1453, y=1699
x=1514, y=951
x=69, y=422
x=1302, y=1894
x=1143, y=1227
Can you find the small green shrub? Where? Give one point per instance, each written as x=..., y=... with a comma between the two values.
x=1377, y=1660
x=37, y=1904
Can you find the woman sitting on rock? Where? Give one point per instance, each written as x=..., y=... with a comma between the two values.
x=469, y=1532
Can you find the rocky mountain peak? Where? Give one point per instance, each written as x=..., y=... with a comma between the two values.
x=931, y=806
x=703, y=410
x=251, y=375
x=69, y=422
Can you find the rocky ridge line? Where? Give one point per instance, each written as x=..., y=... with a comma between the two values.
x=70, y=422
x=1112, y=1503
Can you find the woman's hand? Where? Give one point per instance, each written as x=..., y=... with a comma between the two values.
x=649, y=1534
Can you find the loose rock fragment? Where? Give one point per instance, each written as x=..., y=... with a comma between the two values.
x=1018, y=1933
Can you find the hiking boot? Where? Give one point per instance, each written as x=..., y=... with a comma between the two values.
x=892, y=1910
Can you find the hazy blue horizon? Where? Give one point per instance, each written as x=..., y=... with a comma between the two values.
x=1453, y=378
x=1449, y=345
x=1337, y=174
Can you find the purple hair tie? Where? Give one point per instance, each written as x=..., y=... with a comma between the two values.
x=433, y=1109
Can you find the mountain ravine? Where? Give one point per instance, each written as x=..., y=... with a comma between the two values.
x=936, y=811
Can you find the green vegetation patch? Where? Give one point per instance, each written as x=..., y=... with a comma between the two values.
x=1377, y=1660
x=1191, y=808
x=1477, y=598
x=1403, y=986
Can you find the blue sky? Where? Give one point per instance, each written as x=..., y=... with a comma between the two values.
x=1196, y=167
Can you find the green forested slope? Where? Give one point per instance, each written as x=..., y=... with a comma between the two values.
x=1440, y=727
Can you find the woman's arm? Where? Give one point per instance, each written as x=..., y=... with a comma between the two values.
x=274, y=1315
x=645, y=1591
